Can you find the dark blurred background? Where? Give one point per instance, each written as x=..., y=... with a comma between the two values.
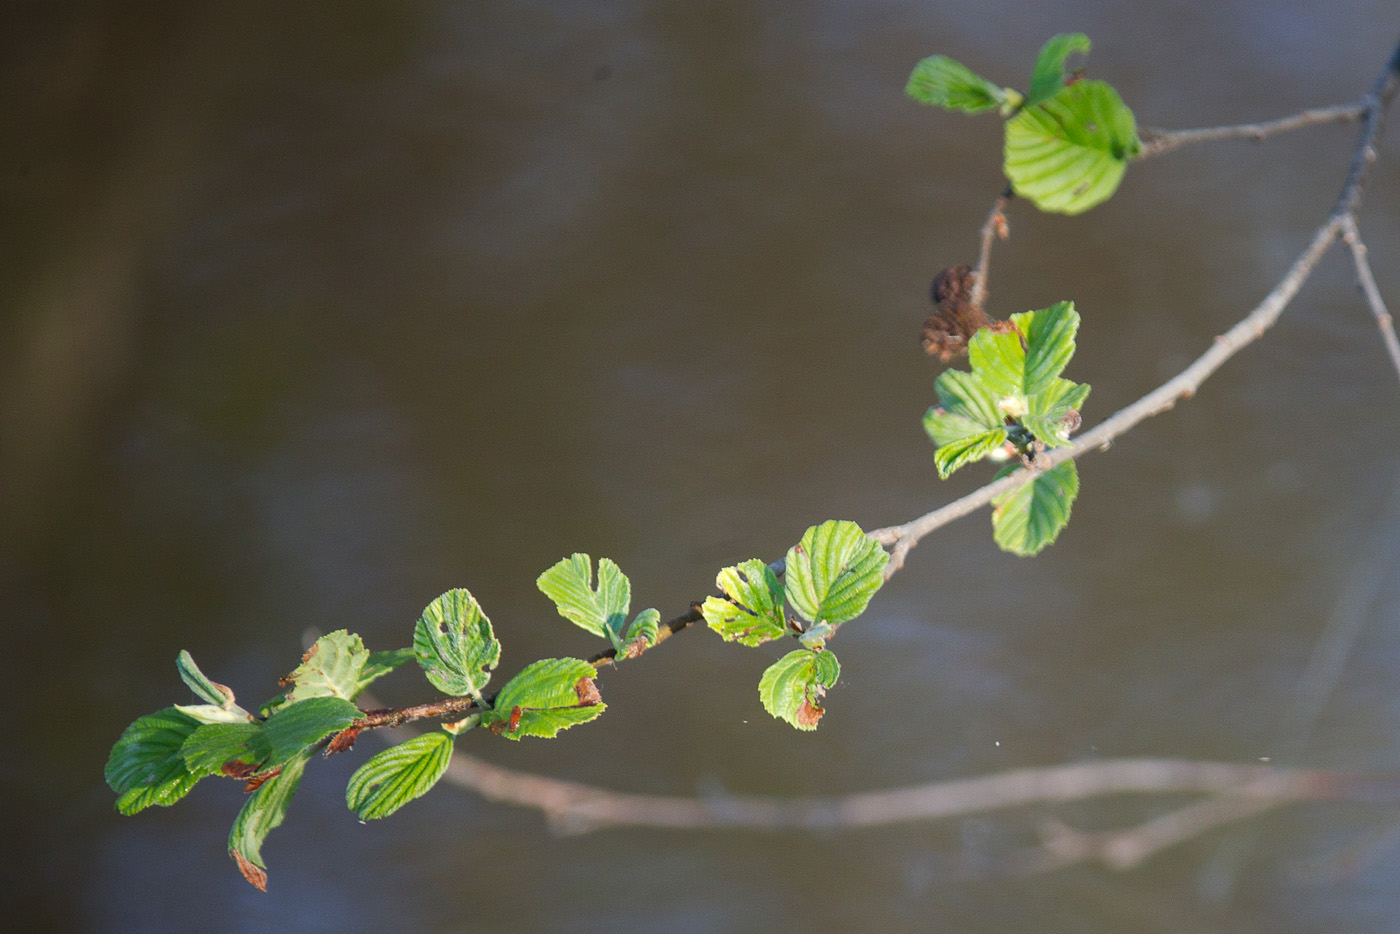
x=311, y=311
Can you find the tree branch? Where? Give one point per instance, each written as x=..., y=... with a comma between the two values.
x=1156, y=141
x=993, y=227
x=576, y=808
x=1352, y=238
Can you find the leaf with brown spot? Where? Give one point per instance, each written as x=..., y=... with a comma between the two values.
x=252, y=873
x=587, y=691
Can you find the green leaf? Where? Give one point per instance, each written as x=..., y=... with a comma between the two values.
x=455, y=646
x=1049, y=335
x=552, y=695
x=1049, y=74
x=834, y=571
x=261, y=814
x=1050, y=412
x=792, y=687
x=601, y=611
x=753, y=612
x=330, y=668
x=295, y=726
x=941, y=82
x=965, y=408
x=380, y=664
x=644, y=628
x=210, y=747
x=949, y=457
x=211, y=692
x=397, y=775
x=998, y=360
x=213, y=713
x=1028, y=518
x=1069, y=152
x=145, y=766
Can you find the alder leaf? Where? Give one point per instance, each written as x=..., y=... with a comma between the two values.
x=208, y=749
x=751, y=611
x=211, y=692
x=1068, y=153
x=299, y=725
x=455, y=646
x=939, y=81
x=1030, y=517
x=601, y=610
x=834, y=571
x=330, y=668
x=1049, y=74
x=398, y=775
x=262, y=813
x=547, y=696
x=791, y=688
x=145, y=767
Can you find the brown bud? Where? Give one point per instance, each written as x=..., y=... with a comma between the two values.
x=343, y=741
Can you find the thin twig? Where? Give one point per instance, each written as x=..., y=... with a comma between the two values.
x=1156, y=141
x=994, y=226
x=1352, y=238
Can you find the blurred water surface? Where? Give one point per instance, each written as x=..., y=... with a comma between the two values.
x=312, y=312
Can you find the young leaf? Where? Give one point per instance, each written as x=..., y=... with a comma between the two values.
x=397, y=775
x=792, y=687
x=1049, y=74
x=941, y=82
x=949, y=457
x=834, y=571
x=454, y=644
x=1028, y=518
x=1069, y=152
x=261, y=814
x=210, y=747
x=211, y=692
x=214, y=713
x=965, y=408
x=1053, y=413
x=753, y=612
x=380, y=664
x=1049, y=335
x=145, y=767
x=295, y=726
x=330, y=668
x=601, y=611
x=643, y=630
x=547, y=696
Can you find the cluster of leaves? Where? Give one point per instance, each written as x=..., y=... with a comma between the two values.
x=160, y=757
x=829, y=578
x=1068, y=141
x=1014, y=403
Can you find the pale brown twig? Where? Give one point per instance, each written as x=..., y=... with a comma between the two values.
x=1352, y=238
x=994, y=226
x=1156, y=141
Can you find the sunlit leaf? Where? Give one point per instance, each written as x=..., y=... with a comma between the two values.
x=208, y=748
x=211, y=692
x=949, y=457
x=295, y=726
x=644, y=629
x=547, y=696
x=330, y=668
x=834, y=571
x=1028, y=518
x=1049, y=74
x=145, y=767
x=398, y=775
x=1049, y=344
x=601, y=610
x=942, y=82
x=262, y=813
x=213, y=713
x=454, y=644
x=1068, y=152
x=753, y=611
x=792, y=687
x=1052, y=412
